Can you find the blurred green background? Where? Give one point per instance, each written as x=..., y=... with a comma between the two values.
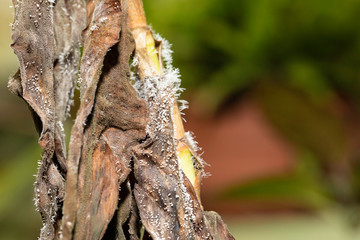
x=296, y=63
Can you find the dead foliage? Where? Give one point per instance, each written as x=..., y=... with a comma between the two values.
x=123, y=176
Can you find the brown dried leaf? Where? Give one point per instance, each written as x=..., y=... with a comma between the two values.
x=111, y=123
x=33, y=43
x=99, y=200
x=167, y=201
x=102, y=32
x=47, y=93
x=69, y=20
x=217, y=226
x=169, y=204
x=117, y=121
x=94, y=49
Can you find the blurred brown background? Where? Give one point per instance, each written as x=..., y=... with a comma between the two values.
x=274, y=97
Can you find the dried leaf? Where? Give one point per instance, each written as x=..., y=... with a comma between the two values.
x=117, y=121
x=167, y=201
x=130, y=162
x=217, y=226
x=166, y=166
x=37, y=43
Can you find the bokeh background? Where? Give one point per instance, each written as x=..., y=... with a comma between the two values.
x=274, y=97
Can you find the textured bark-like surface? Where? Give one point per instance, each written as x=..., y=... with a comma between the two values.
x=48, y=65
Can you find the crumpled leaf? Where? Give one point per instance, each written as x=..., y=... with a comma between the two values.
x=125, y=178
x=43, y=84
x=216, y=225
x=166, y=166
x=168, y=204
x=98, y=160
x=69, y=20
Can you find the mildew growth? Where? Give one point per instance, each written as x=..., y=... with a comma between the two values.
x=126, y=169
